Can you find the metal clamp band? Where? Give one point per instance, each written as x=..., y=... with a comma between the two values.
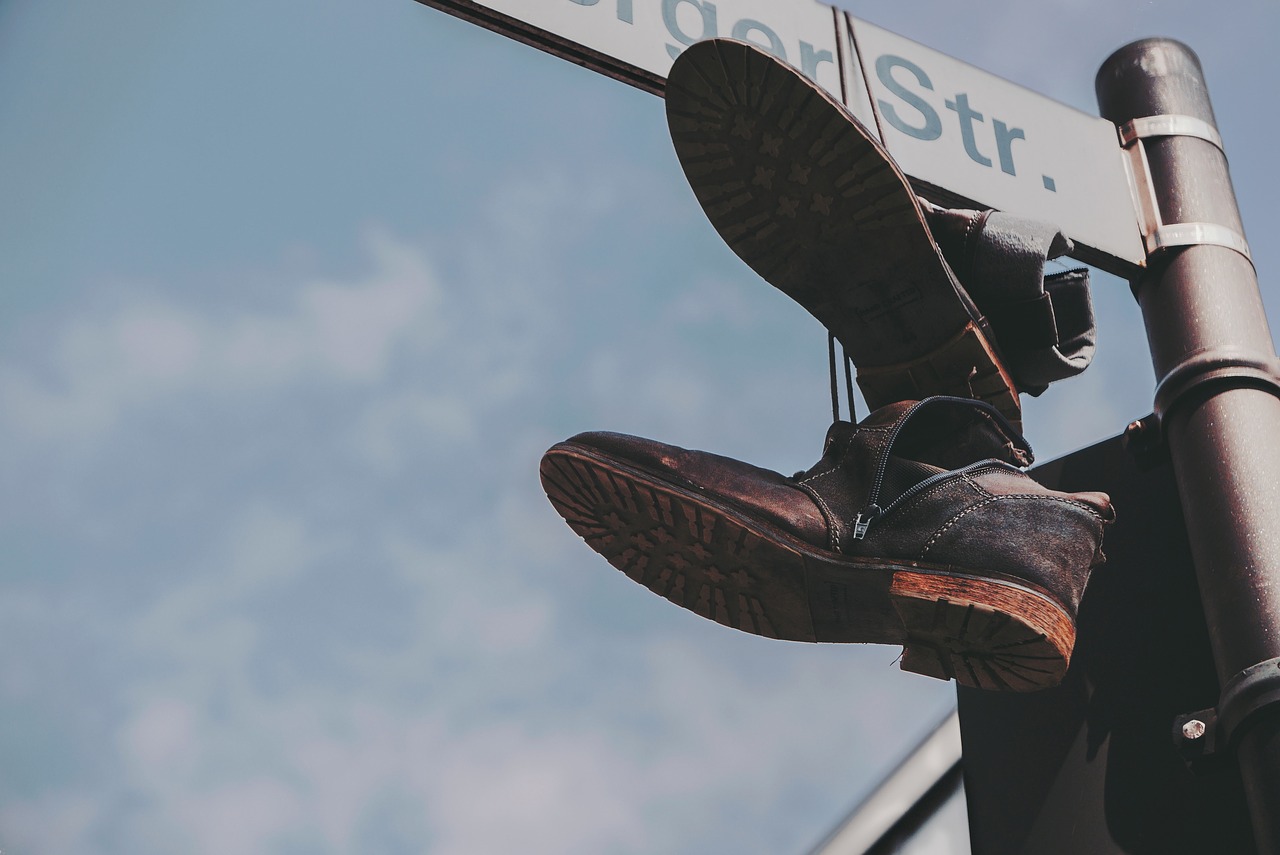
x=1196, y=234
x=1157, y=236
x=1215, y=366
x=1169, y=125
x=1250, y=692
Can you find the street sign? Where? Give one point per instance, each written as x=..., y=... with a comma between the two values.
x=637, y=40
x=964, y=136
x=981, y=139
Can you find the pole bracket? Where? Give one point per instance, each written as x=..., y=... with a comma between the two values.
x=1157, y=235
x=1204, y=734
x=1146, y=443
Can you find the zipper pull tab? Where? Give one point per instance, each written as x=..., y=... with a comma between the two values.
x=864, y=520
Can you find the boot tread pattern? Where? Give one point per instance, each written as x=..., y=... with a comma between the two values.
x=679, y=549
x=981, y=634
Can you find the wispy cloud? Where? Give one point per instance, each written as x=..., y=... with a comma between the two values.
x=364, y=622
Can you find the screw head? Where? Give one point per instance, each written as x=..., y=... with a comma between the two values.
x=1193, y=729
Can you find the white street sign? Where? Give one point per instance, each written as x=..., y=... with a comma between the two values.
x=963, y=135
x=639, y=39
x=984, y=139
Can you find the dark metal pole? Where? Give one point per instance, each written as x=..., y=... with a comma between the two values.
x=1217, y=392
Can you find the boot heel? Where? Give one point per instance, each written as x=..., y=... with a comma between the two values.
x=981, y=633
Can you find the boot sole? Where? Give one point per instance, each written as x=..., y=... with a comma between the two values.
x=989, y=633
x=815, y=205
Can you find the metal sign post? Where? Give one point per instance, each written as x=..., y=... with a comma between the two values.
x=1217, y=394
x=1165, y=736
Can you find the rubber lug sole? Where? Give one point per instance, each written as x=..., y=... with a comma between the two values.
x=814, y=204
x=745, y=574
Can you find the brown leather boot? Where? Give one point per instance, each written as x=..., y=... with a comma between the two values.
x=917, y=527
x=810, y=200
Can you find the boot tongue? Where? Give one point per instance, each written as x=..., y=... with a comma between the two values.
x=881, y=421
x=949, y=433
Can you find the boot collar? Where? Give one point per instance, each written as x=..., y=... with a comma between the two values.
x=947, y=433
x=944, y=431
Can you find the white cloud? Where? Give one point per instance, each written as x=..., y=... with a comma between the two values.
x=244, y=816
x=583, y=785
x=391, y=629
x=395, y=423
x=346, y=331
x=56, y=824
x=98, y=366
x=263, y=548
x=502, y=790
x=161, y=738
x=101, y=368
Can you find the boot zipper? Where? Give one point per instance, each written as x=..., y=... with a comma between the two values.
x=863, y=522
x=873, y=511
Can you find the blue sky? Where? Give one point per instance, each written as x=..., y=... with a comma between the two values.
x=296, y=294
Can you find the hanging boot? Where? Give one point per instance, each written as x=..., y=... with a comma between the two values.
x=917, y=527
x=811, y=201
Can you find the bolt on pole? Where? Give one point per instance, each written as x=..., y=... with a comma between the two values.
x=1217, y=387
